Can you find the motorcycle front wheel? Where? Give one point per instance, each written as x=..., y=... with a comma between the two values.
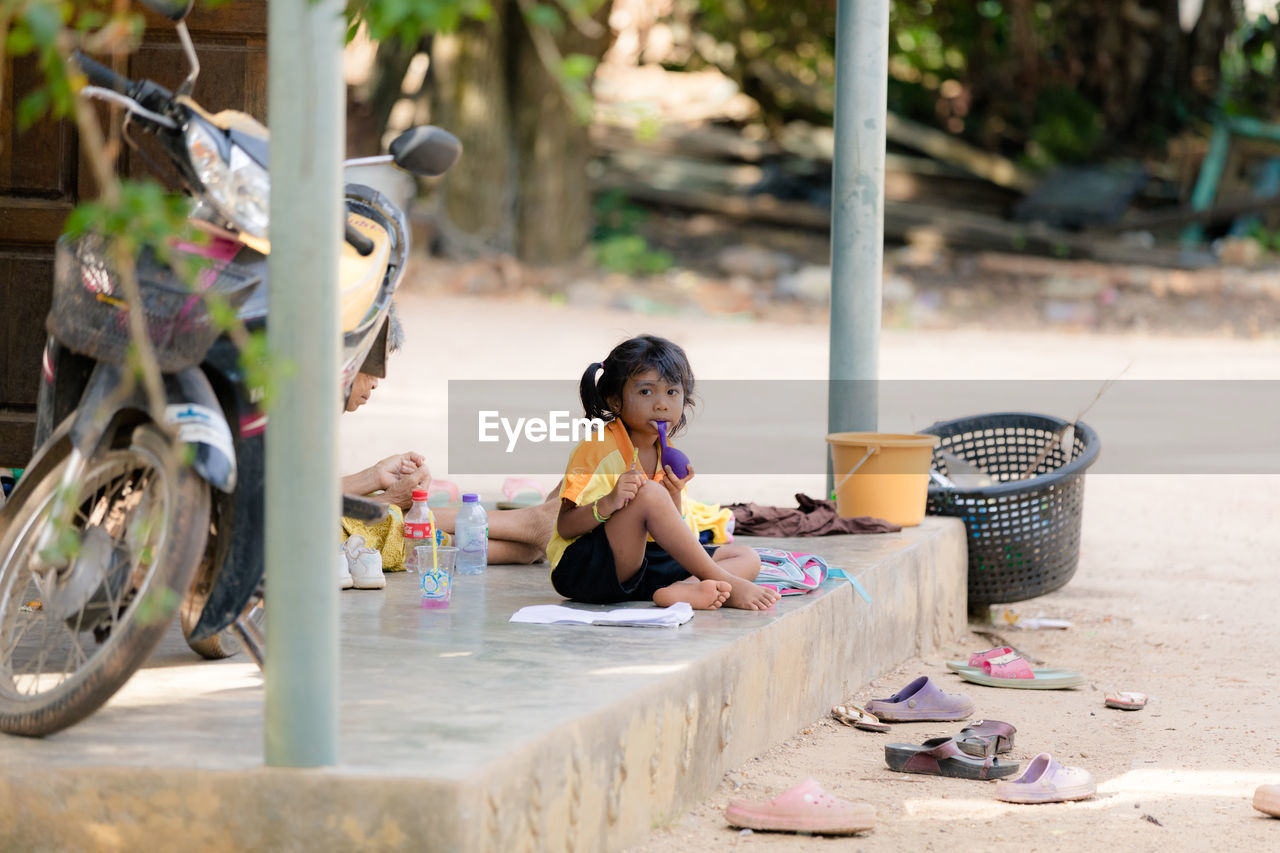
x=71, y=635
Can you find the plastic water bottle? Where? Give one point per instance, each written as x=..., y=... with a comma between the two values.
x=419, y=527
x=471, y=530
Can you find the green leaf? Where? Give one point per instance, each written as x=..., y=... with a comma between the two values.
x=44, y=20
x=91, y=20
x=546, y=17
x=221, y=314
x=156, y=604
x=577, y=66
x=86, y=217
x=19, y=41
x=32, y=107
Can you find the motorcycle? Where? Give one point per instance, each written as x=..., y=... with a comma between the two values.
x=120, y=520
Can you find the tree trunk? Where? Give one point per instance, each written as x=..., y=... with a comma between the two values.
x=553, y=199
x=521, y=185
x=471, y=97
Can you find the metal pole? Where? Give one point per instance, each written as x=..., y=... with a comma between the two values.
x=305, y=98
x=857, y=215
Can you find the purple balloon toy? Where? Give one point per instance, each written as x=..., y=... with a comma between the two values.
x=671, y=456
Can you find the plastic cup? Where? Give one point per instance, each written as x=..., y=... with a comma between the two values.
x=435, y=574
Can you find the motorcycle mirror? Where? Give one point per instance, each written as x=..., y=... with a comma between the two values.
x=174, y=10
x=425, y=150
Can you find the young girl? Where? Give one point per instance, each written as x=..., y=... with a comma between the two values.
x=617, y=494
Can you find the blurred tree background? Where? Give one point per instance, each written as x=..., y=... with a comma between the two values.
x=511, y=79
x=1043, y=82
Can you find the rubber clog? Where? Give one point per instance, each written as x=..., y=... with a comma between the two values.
x=1047, y=781
x=804, y=808
x=921, y=701
x=1267, y=800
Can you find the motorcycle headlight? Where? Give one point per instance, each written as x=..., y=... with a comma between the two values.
x=236, y=185
x=250, y=193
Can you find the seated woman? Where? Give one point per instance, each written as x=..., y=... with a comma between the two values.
x=515, y=535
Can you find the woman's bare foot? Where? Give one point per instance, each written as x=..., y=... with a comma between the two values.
x=701, y=595
x=749, y=596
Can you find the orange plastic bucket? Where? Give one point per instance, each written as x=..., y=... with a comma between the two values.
x=885, y=475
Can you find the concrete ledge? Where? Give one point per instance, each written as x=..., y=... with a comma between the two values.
x=462, y=732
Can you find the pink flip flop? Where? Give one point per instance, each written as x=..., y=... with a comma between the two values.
x=976, y=658
x=442, y=493
x=1010, y=670
x=521, y=492
x=804, y=808
x=1047, y=781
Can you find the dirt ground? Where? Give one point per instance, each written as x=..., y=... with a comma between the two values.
x=1176, y=597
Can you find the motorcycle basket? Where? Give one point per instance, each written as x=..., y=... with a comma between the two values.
x=91, y=316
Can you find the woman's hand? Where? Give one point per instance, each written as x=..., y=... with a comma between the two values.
x=401, y=490
x=394, y=479
x=393, y=469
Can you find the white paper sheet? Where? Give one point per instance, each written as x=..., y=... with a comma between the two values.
x=632, y=617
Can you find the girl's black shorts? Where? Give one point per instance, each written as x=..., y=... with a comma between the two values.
x=586, y=571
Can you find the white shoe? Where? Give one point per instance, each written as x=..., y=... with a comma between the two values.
x=344, y=570
x=365, y=565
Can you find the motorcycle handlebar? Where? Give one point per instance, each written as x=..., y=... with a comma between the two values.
x=101, y=75
x=362, y=244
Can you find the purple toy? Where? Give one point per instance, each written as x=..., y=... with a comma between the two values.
x=670, y=456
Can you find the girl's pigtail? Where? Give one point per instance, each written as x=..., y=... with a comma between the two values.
x=592, y=403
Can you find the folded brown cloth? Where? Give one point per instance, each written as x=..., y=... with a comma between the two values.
x=813, y=518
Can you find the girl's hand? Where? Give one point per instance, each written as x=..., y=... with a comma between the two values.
x=625, y=489
x=673, y=483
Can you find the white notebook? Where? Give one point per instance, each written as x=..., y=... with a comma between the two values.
x=631, y=617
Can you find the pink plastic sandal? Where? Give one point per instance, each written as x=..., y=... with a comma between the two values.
x=1125, y=700
x=521, y=492
x=804, y=808
x=1012, y=671
x=977, y=658
x=442, y=493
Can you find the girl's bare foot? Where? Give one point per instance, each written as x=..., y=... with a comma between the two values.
x=701, y=595
x=749, y=596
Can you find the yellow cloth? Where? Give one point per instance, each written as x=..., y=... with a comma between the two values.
x=593, y=470
x=711, y=517
x=387, y=536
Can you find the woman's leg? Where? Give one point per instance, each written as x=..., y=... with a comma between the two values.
x=515, y=535
x=505, y=553
x=651, y=512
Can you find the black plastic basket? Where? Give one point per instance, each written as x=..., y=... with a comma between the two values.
x=1024, y=534
x=90, y=315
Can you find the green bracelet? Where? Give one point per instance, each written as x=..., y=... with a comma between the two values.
x=596, y=512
